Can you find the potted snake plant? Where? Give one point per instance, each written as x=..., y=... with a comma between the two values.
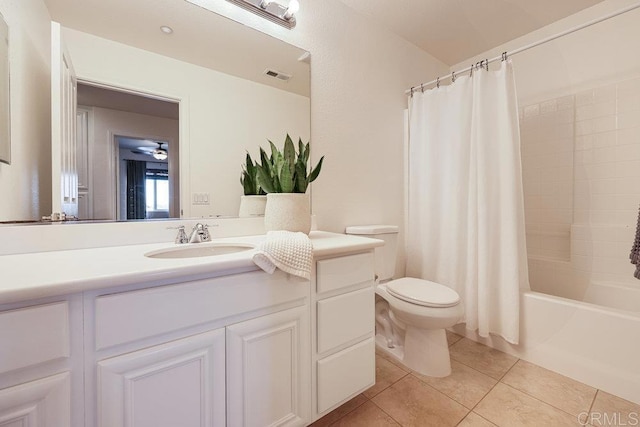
x=285, y=176
x=255, y=199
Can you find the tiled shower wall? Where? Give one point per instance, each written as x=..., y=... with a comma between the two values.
x=581, y=174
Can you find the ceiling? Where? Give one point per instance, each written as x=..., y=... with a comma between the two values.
x=123, y=101
x=455, y=30
x=200, y=37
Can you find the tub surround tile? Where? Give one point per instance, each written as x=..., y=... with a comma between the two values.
x=557, y=390
x=367, y=415
x=487, y=360
x=465, y=385
x=610, y=410
x=508, y=407
x=341, y=411
x=475, y=420
x=413, y=403
x=386, y=374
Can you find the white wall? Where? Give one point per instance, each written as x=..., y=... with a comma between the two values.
x=224, y=115
x=25, y=185
x=108, y=123
x=359, y=73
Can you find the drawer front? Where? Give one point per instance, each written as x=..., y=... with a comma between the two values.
x=344, y=271
x=135, y=315
x=345, y=373
x=344, y=318
x=33, y=335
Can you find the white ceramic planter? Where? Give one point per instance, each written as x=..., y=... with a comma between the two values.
x=252, y=206
x=288, y=211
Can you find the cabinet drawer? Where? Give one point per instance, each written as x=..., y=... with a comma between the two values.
x=344, y=318
x=344, y=271
x=33, y=335
x=135, y=315
x=345, y=373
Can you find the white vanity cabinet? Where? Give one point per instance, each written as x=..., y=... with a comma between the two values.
x=40, y=351
x=343, y=304
x=268, y=373
x=232, y=350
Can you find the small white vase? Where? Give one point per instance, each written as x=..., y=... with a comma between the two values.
x=252, y=206
x=288, y=211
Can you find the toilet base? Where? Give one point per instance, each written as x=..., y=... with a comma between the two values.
x=425, y=351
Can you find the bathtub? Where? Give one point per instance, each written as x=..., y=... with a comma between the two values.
x=594, y=344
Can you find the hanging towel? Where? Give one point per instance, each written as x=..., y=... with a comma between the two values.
x=635, y=250
x=290, y=252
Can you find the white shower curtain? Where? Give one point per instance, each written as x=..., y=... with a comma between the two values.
x=466, y=211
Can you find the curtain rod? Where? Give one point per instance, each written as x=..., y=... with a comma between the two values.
x=529, y=46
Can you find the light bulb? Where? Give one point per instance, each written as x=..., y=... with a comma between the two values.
x=265, y=3
x=293, y=8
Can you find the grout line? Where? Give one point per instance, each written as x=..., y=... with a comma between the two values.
x=347, y=413
x=509, y=370
x=547, y=403
x=594, y=400
x=385, y=412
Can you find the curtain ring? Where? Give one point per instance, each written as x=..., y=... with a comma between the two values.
x=471, y=71
x=453, y=77
x=422, y=87
x=504, y=56
x=411, y=95
x=438, y=82
x=486, y=64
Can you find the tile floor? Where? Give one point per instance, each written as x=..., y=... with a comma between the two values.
x=486, y=388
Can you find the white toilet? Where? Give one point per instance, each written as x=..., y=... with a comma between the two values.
x=411, y=314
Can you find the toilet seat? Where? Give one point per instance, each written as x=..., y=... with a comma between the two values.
x=423, y=292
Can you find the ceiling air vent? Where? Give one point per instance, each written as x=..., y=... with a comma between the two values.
x=277, y=74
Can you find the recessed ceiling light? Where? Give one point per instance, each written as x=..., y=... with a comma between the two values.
x=166, y=29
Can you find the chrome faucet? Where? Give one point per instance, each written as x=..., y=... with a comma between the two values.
x=181, y=238
x=200, y=233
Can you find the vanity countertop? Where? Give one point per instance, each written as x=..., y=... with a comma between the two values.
x=46, y=274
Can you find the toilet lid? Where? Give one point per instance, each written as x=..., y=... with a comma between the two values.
x=423, y=292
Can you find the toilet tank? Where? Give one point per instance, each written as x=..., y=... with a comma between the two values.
x=385, y=256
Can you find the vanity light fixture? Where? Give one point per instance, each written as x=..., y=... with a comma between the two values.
x=272, y=10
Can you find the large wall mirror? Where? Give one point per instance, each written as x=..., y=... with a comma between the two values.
x=5, y=122
x=171, y=77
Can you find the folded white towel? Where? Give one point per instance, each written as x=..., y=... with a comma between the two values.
x=290, y=252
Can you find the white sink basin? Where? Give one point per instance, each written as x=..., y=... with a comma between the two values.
x=198, y=250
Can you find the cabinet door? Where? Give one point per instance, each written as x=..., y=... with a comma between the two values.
x=268, y=370
x=181, y=383
x=45, y=402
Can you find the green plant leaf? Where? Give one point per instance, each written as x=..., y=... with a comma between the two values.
x=316, y=171
x=265, y=181
x=301, y=178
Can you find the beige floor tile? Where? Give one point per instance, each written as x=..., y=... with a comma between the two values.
x=392, y=360
x=386, y=374
x=465, y=385
x=508, y=407
x=482, y=358
x=475, y=420
x=557, y=390
x=413, y=403
x=340, y=411
x=609, y=410
x=452, y=337
x=367, y=415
